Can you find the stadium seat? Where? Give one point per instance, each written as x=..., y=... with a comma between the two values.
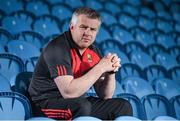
x=18, y=21
x=155, y=48
x=9, y=6
x=177, y=27
x=164, y=26
x=5, y=36
x=176, y=16
x=40, y=118
x=156, y=105
x=4, y=84
x=38, y=7
x=146, y=23
x=134, y=46
x=61, y=11
x=108, y=18
x=112, y=7
x=118, y=90
x=175, y=74
x=166, y=87
x=86, y=118
x=127, y=118
x=153, y=72
x=132, y=10
x=22, y=82
x=166, y=60
x=128, y=70
x=137, y=86
x=138, y=109
x=164, y=15
x=97, y=5
x=2, y=49
x=141, y=58
x=175, y=101
x=31, y=37
x=31, y=63
x=14, y=106
x=10, y=65
x=22, y=49
x=174, y=51
x=164, y=118
x=46, y=25
x=121, y=34
x=145, y=11
x=74, y=3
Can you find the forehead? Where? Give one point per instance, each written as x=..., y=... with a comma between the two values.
x=84, y=20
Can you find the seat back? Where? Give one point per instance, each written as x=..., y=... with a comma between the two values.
x=4, y=84
x=175, y=101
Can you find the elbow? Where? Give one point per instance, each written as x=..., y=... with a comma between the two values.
x=67, y=95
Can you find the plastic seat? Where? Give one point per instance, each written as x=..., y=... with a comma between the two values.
x=31, y=37
x=127, y=118
x=166, y=60
x=86, y=118
x=10, y=65
x=163, y=25
x=2, y=49
x=9, y=6
x=153, y=72
x=38, y=7
x=175, y=74
x=112, y=7
x=177, y=27
x=61, y=11
x=156, y=105
x=146, y=23
x=22, y=49
x=126, y=20
x=166, y=87
x=134, y=46
x=46, y=25
x=174, y=7
x=164, y=15
x=145, y=11
x=22, y=82
x=175, y=101
x=18, y=22
x=112, y=46
x=176, y=16
x=138, y=109
x=140, y=58
x=97, y=5
x=4, y=84
x=74, y=3
x=174, y=51
x=129, y=70
x=40, y=118
x=132, y=10
x=163, y=118
x=135, y=3
x=155, y=48
x=31, y=63
x=5, y=36
x=121, y=34
x=166, y=40
x=137, y=86
x=108, y=18
x=14, y=106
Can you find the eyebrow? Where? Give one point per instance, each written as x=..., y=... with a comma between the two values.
x=92, y=28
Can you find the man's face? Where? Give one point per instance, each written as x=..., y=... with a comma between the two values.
x=84, y=31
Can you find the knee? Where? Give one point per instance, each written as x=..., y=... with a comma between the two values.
x=128, y=108
x=84, y=107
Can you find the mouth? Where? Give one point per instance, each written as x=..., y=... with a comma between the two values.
x=86, y=39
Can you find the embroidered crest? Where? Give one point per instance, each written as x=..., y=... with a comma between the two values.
x=89, y=57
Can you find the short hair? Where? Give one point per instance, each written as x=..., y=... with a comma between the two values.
x=89, y=12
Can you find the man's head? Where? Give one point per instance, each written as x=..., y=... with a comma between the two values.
x=84, y=26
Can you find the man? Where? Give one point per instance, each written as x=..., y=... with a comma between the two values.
x=69, y=66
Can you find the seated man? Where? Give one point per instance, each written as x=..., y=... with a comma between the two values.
x=69, y=66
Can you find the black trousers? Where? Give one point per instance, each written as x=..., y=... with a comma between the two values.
x=59, y=108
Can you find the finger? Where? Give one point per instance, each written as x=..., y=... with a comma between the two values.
x=108, y=55
x=117, y=64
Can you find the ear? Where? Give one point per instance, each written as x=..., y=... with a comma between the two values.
x=71, y=26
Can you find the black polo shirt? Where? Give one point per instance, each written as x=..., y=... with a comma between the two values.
x=60, y=57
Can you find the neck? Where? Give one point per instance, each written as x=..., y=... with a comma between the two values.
x=81, y=51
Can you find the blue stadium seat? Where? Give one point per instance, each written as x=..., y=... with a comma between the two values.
x=134, y=46
x=61, y=11
x=112, y=7
x=14, y=106
x=118, y=90
x=121, y=34
x=177, y=27
x=9, y=6
x=155, y=48
x=46, y=25
x=22, y=49
x=65, y=24
x=129, y=70
x=158, y=6
x=126, y=20
x=108, y=18
x=145, y=11
x=174, y=7
x=164, y=15
x=156, y=105
x=136, y=3
x=138, y=109
x=11, y=65
x=22, y=82
x=132, y=10
x=97, y=5
x=31, y=63
x=40, y=118
x=74, y=3
x=120, y=1
x=176, y=16
x=164, y=26
x=141, y=58
x=2, y=15
x=38, y=7
x=53, y=2
x=2, y=49
x=163, y=118
x=31, y=37
x=175, y=102
x=146, y=23
x=174, y=51
x=5, y=36
x=4, y=84
x=175, y=74
x=86, y=118
x=166, y=60
x=153, y=72
x=166, y=87
x=137, y=86
x=127, y=118
x=18, y=22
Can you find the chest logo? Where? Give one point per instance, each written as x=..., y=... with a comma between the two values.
x=89, y=57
